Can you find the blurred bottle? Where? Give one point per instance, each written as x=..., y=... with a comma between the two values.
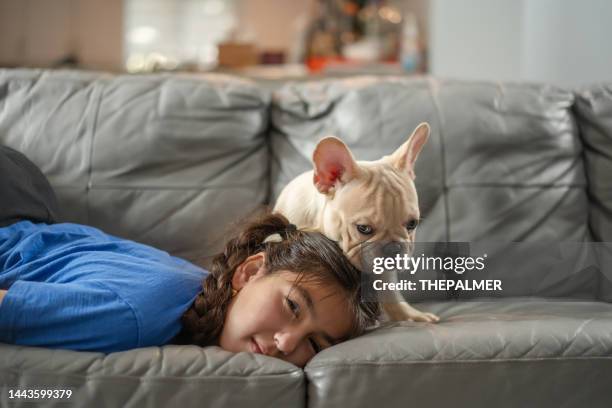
x=410, y=55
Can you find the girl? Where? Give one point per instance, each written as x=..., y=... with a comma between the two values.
x=278, y=291
x=273, y=290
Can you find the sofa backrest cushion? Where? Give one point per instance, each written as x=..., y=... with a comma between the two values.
x=594, y=111
x=503, y=161
x=165, y=160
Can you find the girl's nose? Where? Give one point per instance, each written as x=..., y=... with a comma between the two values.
x=287, y=341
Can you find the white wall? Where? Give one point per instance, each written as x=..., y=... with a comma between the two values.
x=568, y=42
x=475, y=39
x=565, y=42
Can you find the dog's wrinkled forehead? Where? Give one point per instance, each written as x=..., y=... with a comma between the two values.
x=381, y=194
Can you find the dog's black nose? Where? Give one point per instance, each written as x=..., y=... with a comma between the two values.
x=393, y=248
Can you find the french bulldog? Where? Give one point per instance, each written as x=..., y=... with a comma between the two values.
x=353, y=202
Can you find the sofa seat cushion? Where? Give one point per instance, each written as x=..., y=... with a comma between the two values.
x=169, y=376
x=508, y=352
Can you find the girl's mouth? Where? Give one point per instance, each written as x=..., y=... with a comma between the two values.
x=255, y=347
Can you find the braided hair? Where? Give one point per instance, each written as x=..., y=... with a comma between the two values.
x=310, y=254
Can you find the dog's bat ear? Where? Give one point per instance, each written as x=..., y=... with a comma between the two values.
x=406, y=155
x=333, y=163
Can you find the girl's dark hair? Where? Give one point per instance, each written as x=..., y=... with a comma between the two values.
x=310, y=254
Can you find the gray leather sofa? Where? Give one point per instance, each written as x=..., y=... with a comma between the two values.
x=172, y=160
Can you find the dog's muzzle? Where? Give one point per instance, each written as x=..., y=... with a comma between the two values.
x=393, y=248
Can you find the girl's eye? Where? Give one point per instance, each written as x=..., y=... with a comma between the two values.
x=412, y=224
x=314, y=345
x=293, y=306
x=365, y=229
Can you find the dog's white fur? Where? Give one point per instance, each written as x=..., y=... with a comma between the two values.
x=341, y=193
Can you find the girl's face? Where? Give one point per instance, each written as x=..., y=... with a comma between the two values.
x=273, y=315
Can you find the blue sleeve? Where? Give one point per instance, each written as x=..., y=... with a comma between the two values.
x=76, y=315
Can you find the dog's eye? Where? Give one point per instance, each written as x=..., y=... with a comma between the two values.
x=365, y=229
x=412, y=224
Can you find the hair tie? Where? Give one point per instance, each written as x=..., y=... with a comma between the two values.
x=276, y=237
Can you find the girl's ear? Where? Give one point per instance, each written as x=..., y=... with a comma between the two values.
x=251, y=269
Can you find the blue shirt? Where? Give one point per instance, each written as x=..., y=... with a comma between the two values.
x=74, y=287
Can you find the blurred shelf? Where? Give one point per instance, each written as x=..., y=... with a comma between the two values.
x=301, y=71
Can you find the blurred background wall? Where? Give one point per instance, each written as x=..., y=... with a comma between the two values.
x=42, y=32
x=96, y=33
x=559, y=41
